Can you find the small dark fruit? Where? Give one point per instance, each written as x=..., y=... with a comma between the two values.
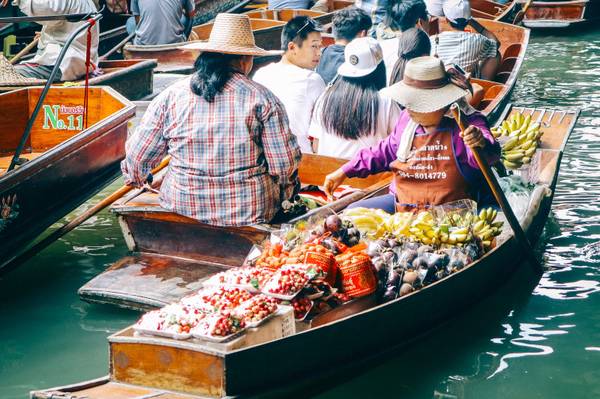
x=333, y=223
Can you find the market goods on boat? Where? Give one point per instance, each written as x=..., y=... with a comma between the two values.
x=417, y=287
x=520, y=138
x=71, y=154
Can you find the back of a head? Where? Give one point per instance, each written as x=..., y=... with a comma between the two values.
x=457, y=12
x=348, y=22
x=413, y=43
x=404, y=14
x=212, y=72
x=297, y=30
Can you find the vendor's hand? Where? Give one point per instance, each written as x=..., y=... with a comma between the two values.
x=333, y=181
x=473, y=137
x=4, y=3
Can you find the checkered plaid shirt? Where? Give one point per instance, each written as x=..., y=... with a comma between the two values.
x=233, y=160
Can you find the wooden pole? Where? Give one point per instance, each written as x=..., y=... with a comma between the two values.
x=25, y=51
x=118, y=47
x=56, y=234
x=519, y=234
x=521, y=14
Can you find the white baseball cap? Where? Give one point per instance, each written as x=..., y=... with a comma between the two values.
x=457, y=9
x=361, y=57
x=435, y=8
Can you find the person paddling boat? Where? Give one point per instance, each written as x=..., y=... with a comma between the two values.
x=234, y=159
x=431, y=158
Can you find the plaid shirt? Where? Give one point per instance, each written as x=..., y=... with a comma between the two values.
x=233, y=160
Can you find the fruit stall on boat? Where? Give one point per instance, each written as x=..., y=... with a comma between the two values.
x=63, y=162
x=561, y=14
x=330, y=278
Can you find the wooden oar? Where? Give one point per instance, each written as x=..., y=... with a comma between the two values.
x=118, y=47
x=56, y=234
x=501, y=198
x=25, y=51
x=521, y=14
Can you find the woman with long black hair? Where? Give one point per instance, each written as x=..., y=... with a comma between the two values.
x=351, y=114
x=233, y=157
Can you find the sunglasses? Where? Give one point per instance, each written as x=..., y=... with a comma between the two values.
x=307, y=24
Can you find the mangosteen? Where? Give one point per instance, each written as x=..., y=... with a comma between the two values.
x=456, y=264
x=390, y=293
x=394, y=278
x=411, y=245
x=392, y=243
x=387, y=256
x=406, y=289
x=333, y=223
x=410, y=277
x=430, y=276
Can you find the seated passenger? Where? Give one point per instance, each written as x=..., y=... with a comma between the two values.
x=348, y=24
x=413, y=43
x=293, y=79
x=431, y=158
x=293, y=4
x=351, y=115
x=53, y=37
x=476, y=53
x=231, y=165
x=400, y=17
x=161, y=22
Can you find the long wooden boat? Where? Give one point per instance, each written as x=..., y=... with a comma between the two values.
x=561, y=14
x=488, y=9
x=131, y=78
x=143, y=366
x=63, y=162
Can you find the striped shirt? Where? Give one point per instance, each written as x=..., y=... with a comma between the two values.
x=464, y=49
x=233, y=160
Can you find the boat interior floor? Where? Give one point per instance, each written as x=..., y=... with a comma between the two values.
x=5, y=161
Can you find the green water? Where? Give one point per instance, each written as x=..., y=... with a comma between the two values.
x=524, y=341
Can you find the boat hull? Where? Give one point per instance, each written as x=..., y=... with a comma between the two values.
x=561, y=14
x=45, y=189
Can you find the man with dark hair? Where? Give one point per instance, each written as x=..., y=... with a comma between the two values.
x=476, y=53
x=348, y=24
x=293, y=79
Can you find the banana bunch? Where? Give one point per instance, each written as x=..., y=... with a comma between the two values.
x=523, y=139
x=426, y=230
x=485, y=227
x=375, y=223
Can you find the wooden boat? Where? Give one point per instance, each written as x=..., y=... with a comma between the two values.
x=561, y=14
x=488, y=9
x=63, y=163
x=132, y=78
x=185, y=243
x=144, y=366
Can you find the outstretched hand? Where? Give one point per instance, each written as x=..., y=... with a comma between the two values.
x=333, y=181
x=4, y=3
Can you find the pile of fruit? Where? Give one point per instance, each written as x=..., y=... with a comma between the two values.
x=174, y=319
x=218, y=325
x=520, y=138
x=289, y=280
x=216, y=299
x=376, y=223
x=256, y=309
x=248, y=278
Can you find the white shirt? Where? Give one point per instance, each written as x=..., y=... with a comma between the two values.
x=334, y=146
x=55, y=34
x=298, y=90
x=389, y=48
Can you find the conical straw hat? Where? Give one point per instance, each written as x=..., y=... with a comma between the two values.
x=231, y=34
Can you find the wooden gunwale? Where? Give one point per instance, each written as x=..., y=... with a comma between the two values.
x=561, y=14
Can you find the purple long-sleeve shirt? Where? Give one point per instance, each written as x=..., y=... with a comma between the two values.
x=378, y=159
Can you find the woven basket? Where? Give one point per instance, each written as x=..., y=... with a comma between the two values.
x=9, y=77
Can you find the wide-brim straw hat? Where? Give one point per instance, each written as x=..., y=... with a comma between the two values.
x=231, y=34
x=425, y=86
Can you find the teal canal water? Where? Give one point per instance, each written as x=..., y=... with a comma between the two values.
x=524, y=341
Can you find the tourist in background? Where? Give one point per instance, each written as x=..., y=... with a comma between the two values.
x=413, y=43
x=351, y=114
x=348, y=24
x=54, y=35
x=161, y=22
x=293, y=79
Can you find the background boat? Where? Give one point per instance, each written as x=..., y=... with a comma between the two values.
x=151, y=366
x=63, y=162
x=131, y=78
x=561, y=14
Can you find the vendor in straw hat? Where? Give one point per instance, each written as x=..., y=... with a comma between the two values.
x=233, y=157
x=431, y=158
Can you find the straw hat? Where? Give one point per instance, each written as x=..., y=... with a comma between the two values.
x=425, y=86
x=361, y=55
x=231, y=34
